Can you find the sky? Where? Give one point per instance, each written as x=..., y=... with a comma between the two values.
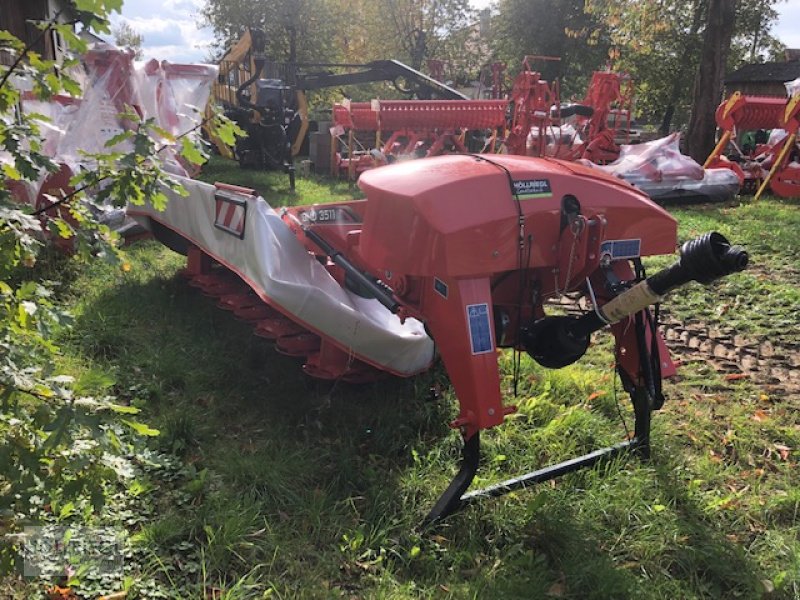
x=171, y=32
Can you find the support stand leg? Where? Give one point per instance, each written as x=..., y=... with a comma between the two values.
x=641, y=428
x=450, y=500
x=454, y=497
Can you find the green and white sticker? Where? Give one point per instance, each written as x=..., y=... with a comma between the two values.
x=533, y=188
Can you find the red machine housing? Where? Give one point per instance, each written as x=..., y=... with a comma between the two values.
x=463, y=251
x=607, y=89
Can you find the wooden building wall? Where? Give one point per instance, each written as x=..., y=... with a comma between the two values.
x=14, y=17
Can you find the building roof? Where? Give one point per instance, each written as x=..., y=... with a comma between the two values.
x=777, y=72
x=91, y=38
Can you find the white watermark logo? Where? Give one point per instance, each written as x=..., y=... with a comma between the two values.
x=54, y=551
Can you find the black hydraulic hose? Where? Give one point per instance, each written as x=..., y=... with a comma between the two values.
x=259, y=66
x=381, y=292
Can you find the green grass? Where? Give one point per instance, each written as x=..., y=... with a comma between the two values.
x=264, y=483
x=274, y=186
x=762, y=301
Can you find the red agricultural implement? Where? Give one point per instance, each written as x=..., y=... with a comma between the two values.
x=774, y=164
x=610, y=96
x=417, y=128
x=460, y=250
x=526, y=123
x=75, y=127
x=465, y=249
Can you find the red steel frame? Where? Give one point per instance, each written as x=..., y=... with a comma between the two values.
x=418, y=128
x=775, y=167
x=430, y=127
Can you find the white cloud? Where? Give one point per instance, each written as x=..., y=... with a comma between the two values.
x=787, y=28
x=169, y=27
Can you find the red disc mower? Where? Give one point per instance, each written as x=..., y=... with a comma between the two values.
x=465, y=249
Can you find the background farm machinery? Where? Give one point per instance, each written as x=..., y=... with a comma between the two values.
x=117, y=93
x=765, y=160
x=268, y=99
x=531, y=121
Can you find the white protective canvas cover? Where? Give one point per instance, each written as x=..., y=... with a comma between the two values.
x=286, y=276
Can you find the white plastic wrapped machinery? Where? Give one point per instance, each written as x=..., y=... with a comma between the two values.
x=273, y=262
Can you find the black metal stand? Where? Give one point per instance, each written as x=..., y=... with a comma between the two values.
x=450, y=500
x=454, y=497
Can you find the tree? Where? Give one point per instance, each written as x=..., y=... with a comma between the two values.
x=330, y=31
x=720, y=21
x=126, y=36
x=426, y=28
x=568, y=32
x=661, y=43
x=752, y=38
x=58, y=445
x=314, y=24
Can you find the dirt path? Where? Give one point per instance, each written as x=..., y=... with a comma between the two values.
x=774, y=366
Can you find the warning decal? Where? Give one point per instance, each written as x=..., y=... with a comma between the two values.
x=480, y=330
x=231, y=213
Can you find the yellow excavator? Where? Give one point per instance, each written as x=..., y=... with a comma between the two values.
x=268, y=101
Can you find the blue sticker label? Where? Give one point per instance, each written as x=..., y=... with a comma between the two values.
x=621, y=249
x=440, y=287
x=480, y=330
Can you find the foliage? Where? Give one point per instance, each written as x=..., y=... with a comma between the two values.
x=568, y=32
x=657, y=42
x=62, y=438
x=313, y=22
x=126, y=36
x=425, y=28
x=331, y=31
x=660, y=45
x=752, y=40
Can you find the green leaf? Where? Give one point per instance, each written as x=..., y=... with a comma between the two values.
x=141, y=428
x=63, y=228
x=159, y=201
x=120, y=137
x=190, y=152
x=11, y=173
x=124, y=410
x=66, y=510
